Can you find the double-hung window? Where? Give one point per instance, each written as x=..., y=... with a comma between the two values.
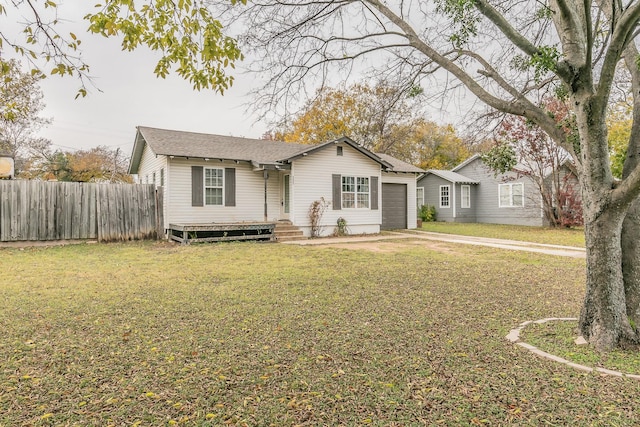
x=465, y=196
x=444, y=196
x=355, y=192
x=511, y=195
x=213, y=186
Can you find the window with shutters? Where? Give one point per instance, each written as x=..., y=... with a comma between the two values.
x=355, y=192
x=213, y=186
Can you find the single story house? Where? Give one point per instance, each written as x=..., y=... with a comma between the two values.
x=471, y=192
x=225, y=179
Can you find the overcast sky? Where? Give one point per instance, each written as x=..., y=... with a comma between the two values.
x=128, y=94
x=131, y=95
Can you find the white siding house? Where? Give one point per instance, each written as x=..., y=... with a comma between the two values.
x=221, y=179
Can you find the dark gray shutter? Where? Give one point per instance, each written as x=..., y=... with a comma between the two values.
x=197, y=183
x=229, y=187
x=373, y=187
x=336, y=192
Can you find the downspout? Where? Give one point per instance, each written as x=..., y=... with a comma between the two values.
x=265, y=175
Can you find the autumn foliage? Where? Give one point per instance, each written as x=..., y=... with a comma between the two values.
x=525, y=149
x=382, y=118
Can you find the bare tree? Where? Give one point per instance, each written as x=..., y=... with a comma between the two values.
x=506, y=54
x=20, y=120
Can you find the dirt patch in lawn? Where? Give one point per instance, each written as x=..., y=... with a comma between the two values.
x=395, y=246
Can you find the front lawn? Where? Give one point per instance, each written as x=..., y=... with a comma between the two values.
x=269, y=334
x=554, y=236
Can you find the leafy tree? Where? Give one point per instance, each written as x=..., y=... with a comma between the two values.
x=20, y=106
x=619, y=122
x=365, y=113
x=525, y=149
x=435, y=146
x=187, y=34
x=383, y=118
x=508, y=55
x=98, y=164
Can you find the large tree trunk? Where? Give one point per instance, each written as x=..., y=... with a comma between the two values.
x=603, y=320
x=630, y=243
x=631, y=226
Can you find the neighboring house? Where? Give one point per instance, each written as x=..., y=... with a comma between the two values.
x=224, y=179
x=471, y=192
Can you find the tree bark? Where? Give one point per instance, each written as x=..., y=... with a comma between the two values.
x=630, y=244
x=631, y=225
x=603, y=320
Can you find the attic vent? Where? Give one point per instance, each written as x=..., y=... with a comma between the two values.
x=339, y=150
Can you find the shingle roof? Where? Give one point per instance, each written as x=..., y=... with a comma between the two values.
x=200, y=145
x=399, y=165
x=453, y=177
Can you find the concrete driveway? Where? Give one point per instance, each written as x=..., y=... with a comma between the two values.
x=566, y=251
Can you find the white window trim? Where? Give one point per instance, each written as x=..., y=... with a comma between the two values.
x=462, y=199
x=355, y=193
x=510, y=185
x=205, y=186
x=448, y=187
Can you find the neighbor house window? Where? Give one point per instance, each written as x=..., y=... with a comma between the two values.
x=213, y=186
x=355, y=192
x=339, y=151
x=154, y=178
x=162, y=177
x=419, y=197
x=465, y=196
x=444, y=196
x=511, y=195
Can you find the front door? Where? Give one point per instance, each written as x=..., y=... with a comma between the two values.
x=286, y=196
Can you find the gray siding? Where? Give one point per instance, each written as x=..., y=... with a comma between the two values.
x=431, y=184
x=466, y=214
x=486, y=200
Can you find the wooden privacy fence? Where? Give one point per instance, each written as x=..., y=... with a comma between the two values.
x=37, y=210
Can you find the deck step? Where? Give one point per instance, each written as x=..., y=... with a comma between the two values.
x=285, y=232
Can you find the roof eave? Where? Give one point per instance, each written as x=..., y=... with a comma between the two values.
x=136, y=154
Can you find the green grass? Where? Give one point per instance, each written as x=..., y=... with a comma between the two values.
x=559, y=338
x=268, y=334
x=554, y=236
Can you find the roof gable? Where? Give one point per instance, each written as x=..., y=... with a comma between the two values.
x=344, y=140
x=467, y=162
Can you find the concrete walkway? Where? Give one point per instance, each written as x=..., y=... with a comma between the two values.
x=566, y=251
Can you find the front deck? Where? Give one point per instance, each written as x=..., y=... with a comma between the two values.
x=220, y=232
